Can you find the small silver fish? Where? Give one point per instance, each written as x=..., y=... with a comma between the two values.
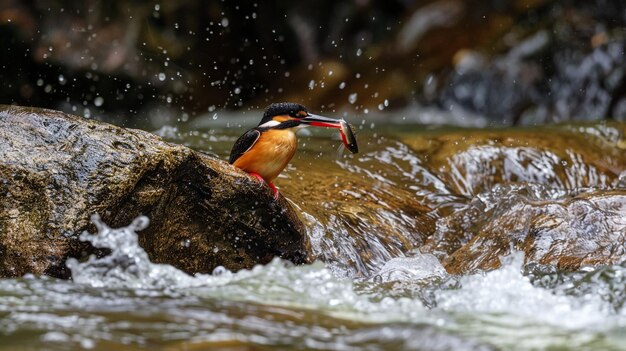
x=348, y=138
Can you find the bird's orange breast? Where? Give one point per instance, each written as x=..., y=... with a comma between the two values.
x=270, y=154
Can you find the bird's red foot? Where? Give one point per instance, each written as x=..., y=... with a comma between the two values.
x=257, y=176
x=270, y=184
x=274, y=190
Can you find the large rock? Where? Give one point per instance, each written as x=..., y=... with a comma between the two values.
x=563, y=157
x=56, y=170
x=563, y=231
x=468, y=196
x=364, y=208
x=557, y=193
x=356, y=226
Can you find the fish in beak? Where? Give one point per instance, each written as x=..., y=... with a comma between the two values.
x=347, y=135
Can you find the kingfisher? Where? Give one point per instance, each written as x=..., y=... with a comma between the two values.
x=265, y=150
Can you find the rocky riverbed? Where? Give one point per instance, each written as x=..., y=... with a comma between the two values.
x=429, y=238
x=467, y=196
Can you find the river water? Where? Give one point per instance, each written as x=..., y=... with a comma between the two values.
x=386, y=295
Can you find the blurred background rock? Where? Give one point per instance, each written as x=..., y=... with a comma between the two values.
x=507, y=62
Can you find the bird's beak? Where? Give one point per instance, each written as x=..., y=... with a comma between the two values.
x=321, y=121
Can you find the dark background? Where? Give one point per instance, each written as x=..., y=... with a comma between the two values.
x=514, y=62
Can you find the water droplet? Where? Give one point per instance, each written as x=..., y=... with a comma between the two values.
x=62, y=80
x=237, y=90
x=430, y=79
x=162, y=76
x=352, y=98
x=98, y=101
x=139, y=223
x=224, y=22
x=87, y=343
x=359, y=52
x=311, y=84
x=342, y=85
x=214, y=116
x=219, y=270
x=157, y=7
x=39, y=82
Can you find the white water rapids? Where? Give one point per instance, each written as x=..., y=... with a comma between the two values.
x=411, y=303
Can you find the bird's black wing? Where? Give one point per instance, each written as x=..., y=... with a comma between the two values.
x=243, y=144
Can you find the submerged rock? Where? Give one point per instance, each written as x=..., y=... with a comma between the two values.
x=564, y=157
x=467, y=196
x=362, y=209
x=556, y=193
x=560, y=231
x=56, y=170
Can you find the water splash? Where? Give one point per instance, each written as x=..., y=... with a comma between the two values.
x=507, y=291
x=280, y=304
x=278, y=283
x=314, y=286
x=386, y=199
x=472, y=170
x=516, y=311
x=421, y=267
x=128, y=265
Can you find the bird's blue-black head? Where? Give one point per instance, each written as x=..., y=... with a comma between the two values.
x=283, y=111
x=287, y=115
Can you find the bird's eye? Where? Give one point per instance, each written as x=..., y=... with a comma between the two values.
x=293, y=114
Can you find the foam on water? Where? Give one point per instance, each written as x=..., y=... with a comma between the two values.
x=417, y=268
x=278, y=283
x=128, y=265
x=506, y=308
x=507, y=291
x=502, y=307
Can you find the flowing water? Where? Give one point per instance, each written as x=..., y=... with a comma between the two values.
x=372, y=287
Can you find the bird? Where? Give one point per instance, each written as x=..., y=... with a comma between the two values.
x=265, y=150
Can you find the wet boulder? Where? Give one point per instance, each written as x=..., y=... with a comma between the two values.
x=360, y=227
x=562, y=231
x=364, y=209
x=56, y=170
x=557, y=193
x=564, y=157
